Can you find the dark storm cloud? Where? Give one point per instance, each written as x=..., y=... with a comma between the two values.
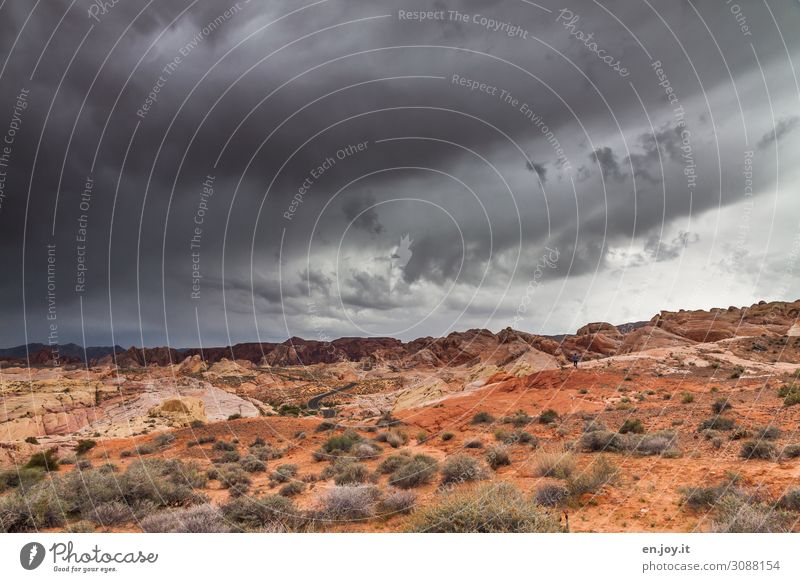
x=165, y=96
x=784, y=126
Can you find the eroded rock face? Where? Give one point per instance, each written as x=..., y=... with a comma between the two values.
x=180, y=411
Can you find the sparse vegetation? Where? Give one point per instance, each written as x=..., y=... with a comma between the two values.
x=632, y=425
x=549, y=416
x=493, y=508
x=602, y=472
x=349, y=502
x=497, y=456
x=556, y=464
x=551, y=495
x=414, y=472
x=757, y=450
x=482, y=418
x=461, y=469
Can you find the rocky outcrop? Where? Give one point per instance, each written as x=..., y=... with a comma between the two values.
x=180, y=411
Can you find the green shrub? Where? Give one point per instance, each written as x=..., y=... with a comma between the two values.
x=228, y=457
x=790, y=500
x=792, y=398
x=482, y=418
x=769, y=433
x=393, y=462
x=497, y=457
x=602, y=441
x=341, y=443
x=447, y=436
x=232, y=475
x=84, y=446
x=757, y=450
x=349, y=472
x=284, y=473
x=548, y=416
x=717, y=423
x=46, y=460
x=223, y=446
x=721, y=405
x=164, y=439
x=253, y=465
x=791, y=451
x=197, y=424
x=687, y=398
x=460, y=469
x=473, y=444
x=23, y=477
x=416, y=471
x=32, y=440
x=632, y=425
x=493, y=508
x=292, y=488
x=519, y=420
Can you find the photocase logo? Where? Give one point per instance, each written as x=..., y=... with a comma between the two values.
x=401, y=255
x=31, y=555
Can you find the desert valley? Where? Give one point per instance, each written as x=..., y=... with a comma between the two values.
x=686, y=422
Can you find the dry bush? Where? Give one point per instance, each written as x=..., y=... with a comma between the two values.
x=556, y=464
x=110, y=513
x=272, y=512
x=203, y=518
x=601, y=473
x=348, y=502
x=461, y=469
x=492, y=508
x=497, y=457
x=737, y=515
x=396, y=501
x=757, y=450
x=292, y=488
x=551, y=495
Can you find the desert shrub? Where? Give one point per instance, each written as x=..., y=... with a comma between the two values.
x=272, y=512
x=791, y=451
x=790, y=500
x=284, y=473
x=548, y=416
x=32, y=440
x=447, y=436
x=235, y=416
x=228, y=457
x=717, y=423
x=46, y=460
x=349, y=472
x=197, y=424
x=482, y=418
x=83, y=465
x=396, y=501
x=473, y=444
x=366, y=450
x=737, y=515
x=740, y=433
x=687, y=398
x=125, y=454
x=653, y=444
x=769, y=433
x=223, y=446
x=632, y=425
x=716, y=442
x=238, y=489
x=519, y=419
x=757, y=450
x=326, y=425
x=416, y=471
x=602, y=440
x=145, y=449
x=203, y=518
x=720, y=405
x=697, y=498
x=348, y=502
x=23, y=477
x=341, y=443
x=792, y=398
x=393, y=462
x=601, y=473
x=551, y=495
x=515, y=437
x=396, y=438
x=67, y=460
x=163, y=482
x=204, y=440
x=164, y=439
x=292, y=488
x=462, y=468
x=556, y=464
x=497, y=457
x=265, y=453
x=79, y=527
x=253, y=465
x=110, y=513
x=594, y=425
x=421, y=437
x=492, y=508
x=34, y=509
x=231, y=475
x=84, y=446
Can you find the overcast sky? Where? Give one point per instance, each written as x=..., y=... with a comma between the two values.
x=539, y=165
